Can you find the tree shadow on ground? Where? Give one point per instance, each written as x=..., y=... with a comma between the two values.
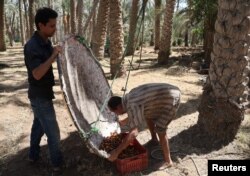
x=12, y=88
x=188, y=107
x=195, y=141
x=78, y=161
x=2, y=66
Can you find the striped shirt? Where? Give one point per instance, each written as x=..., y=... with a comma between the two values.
x=156, y=101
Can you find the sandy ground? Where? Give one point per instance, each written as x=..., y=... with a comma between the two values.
x=189, y=158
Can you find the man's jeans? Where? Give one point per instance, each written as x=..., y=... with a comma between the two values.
x=45, y=122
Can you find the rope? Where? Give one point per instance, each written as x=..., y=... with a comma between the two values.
x=94, y=129
x=131, y=62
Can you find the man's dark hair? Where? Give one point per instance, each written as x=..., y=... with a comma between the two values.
x=114, y=102
x=43, y=15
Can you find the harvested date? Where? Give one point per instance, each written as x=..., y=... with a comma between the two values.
x=112, y=142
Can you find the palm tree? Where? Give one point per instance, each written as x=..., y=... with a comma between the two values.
x=165, y=45
x=91, y=15
x=26, y=20
x=157, y=27
x=80, y=17
x=31, y=16
x=116, y=39
x=180, y=26
x=73, y=16
x=21, y=21
x=100, y=29
x=222, y=104
x=132, y=27
x=2, y=31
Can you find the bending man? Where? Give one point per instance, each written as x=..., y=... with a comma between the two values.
x=155, y=103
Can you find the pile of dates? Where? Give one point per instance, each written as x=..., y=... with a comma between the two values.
x=112, y=142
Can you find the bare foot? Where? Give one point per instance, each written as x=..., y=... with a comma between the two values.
x=163, y=165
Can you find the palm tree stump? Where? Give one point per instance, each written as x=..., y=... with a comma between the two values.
x=226, y=92
x=219, y=118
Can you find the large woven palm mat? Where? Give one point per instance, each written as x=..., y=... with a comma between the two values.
x=85, y=90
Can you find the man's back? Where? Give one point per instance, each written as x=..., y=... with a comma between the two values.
x=152, y=92
x=151, y=101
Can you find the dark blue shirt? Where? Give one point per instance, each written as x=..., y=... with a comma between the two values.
x=36, y=52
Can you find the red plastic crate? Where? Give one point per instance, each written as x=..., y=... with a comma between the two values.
x=135, y=163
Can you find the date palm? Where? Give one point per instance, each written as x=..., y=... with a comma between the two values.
x=2, y=38
x=225, y=93
x=73, y=16
x=116, y=38
x=80, y=17
x=157, y=27
x=101, y=29
x=132, y=27
x=165, y=45
x=31, y=17
x=21, y=20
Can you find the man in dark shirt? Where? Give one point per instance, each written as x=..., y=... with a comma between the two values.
x=39, y=56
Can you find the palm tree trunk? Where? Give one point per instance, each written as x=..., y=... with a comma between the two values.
x=64, y=21
x=26, y=20
x=157, y=27
x=9, y=31
x=73, y=16
x=132, y=27
x=91, y=15
x=80, y=17
x=186, y=38
x=31, y=17
x=21, y=21
x=116, y=39
x=209, y=23
x=100, y=29
x=165, y=46
x=2, y=27
x=222, y=105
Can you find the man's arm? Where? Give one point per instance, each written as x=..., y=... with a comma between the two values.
x=128, y=139
x=42, y=69
x=123, y=122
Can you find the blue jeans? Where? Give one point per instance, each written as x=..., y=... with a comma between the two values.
x=45, y=122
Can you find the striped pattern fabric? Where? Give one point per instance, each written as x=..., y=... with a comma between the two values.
x=156, y=101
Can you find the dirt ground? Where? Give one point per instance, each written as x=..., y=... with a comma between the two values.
x=190, y=155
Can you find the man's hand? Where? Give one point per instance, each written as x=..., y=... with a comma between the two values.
x=113, y=155
x=56, y=50
x=42, y=69
x=128, y=139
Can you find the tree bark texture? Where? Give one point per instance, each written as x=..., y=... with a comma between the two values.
x=225, y=94
x=31, y=10
x=209, y=30
x=157, y=27
x=116, y=39
x=73, y=16
x=80, y=17
x=26, y=20
x=101, y=29
x=21, y=21
x=165, y=45
x=132, y=28
x=91, y=15
x=2, y=27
